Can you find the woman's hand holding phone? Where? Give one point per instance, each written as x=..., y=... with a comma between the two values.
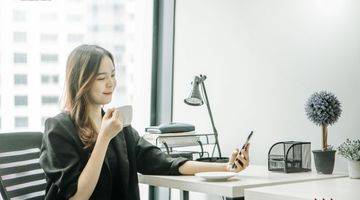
x=240, y=159
x=111, y=125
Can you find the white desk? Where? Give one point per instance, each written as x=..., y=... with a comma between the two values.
x=253, y=176
x=337, y=189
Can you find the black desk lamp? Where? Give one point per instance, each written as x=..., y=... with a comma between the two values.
x=195, y=99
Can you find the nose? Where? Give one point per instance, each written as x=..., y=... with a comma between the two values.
x=110, y=82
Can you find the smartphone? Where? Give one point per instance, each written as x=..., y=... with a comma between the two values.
x=126, y=112
x=243, y=147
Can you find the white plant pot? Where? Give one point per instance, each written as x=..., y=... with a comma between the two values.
x=354, y=168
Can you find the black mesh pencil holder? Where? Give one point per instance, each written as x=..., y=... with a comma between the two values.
x=290, y=156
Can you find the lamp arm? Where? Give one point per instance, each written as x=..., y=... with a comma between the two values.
x=211, y=118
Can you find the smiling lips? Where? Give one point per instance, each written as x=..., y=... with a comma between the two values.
x=107, y=93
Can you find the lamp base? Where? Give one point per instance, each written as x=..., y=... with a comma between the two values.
x=214, y=159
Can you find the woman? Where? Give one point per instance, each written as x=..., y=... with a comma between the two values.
x=88, y=154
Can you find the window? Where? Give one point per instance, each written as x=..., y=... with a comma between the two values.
x=118, y=57
x=95, y=8
x=49, y=58
x=119, y=27
x=74, y=17
x=20, y=58
x=118, y=8
x=20, y=79
x=45, y=79
x=19, y=37
x=21, y=122
x=48, y=37
x=119, y=48
x=49, y=100
x=19, y=15
x=49, y=79
x=39, y=36
x=55, y=79
x=95, y=28
x=75, y=38
x=21, y=100
x=50, y=17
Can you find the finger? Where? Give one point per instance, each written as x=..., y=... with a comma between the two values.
x=108, y=113
x=238, y=165
x=115, y=114
x=242, y=161
x=247, y=147
x=244, y=154
x=233, y=155
x=245, y=161
x=247, y=152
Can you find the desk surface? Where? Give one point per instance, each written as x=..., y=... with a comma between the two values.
x=253, y=176
x=337, y=189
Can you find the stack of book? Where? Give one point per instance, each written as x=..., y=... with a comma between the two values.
x=172, y=134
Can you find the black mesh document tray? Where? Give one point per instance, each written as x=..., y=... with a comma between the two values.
x=290, y=156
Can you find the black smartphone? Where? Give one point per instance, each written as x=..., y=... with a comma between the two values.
x=243, y=147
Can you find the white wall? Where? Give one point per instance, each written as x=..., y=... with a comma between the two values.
x=263, y=60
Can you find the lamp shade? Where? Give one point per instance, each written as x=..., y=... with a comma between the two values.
x=195, y=98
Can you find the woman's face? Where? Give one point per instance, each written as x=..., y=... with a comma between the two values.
x=104, y=84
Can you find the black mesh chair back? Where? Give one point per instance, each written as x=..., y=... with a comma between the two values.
x=21, y=176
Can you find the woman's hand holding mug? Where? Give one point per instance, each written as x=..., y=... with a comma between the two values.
x=111, y=124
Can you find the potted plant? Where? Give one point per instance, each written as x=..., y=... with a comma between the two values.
x=324, y=109
x=350, y=150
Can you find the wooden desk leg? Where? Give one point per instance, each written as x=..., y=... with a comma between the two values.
x=184, y=195
x=235, y=198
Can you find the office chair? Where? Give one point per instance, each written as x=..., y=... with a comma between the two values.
x=21, y=176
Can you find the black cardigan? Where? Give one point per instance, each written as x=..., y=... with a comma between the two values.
x=63, y=157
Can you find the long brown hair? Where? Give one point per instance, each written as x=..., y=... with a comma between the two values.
x=81, y=69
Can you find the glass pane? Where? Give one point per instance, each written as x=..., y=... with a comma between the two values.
x=20, y=79
x=21, y=101
x=21, y=122
x=20, y=58
x=36, y=38
x=19, y=36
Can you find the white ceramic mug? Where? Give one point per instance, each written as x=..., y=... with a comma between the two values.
x=126, y=112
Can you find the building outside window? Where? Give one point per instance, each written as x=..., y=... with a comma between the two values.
x=73, y=37
x=19, y=37
x=20, y=58
x=21, y=122
x=47, y=79
x=20, y=79
x=49, y=58
x=38, y=33
x=19, y=15
x=20, y=100
x=48, y=100
x=48, y=37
